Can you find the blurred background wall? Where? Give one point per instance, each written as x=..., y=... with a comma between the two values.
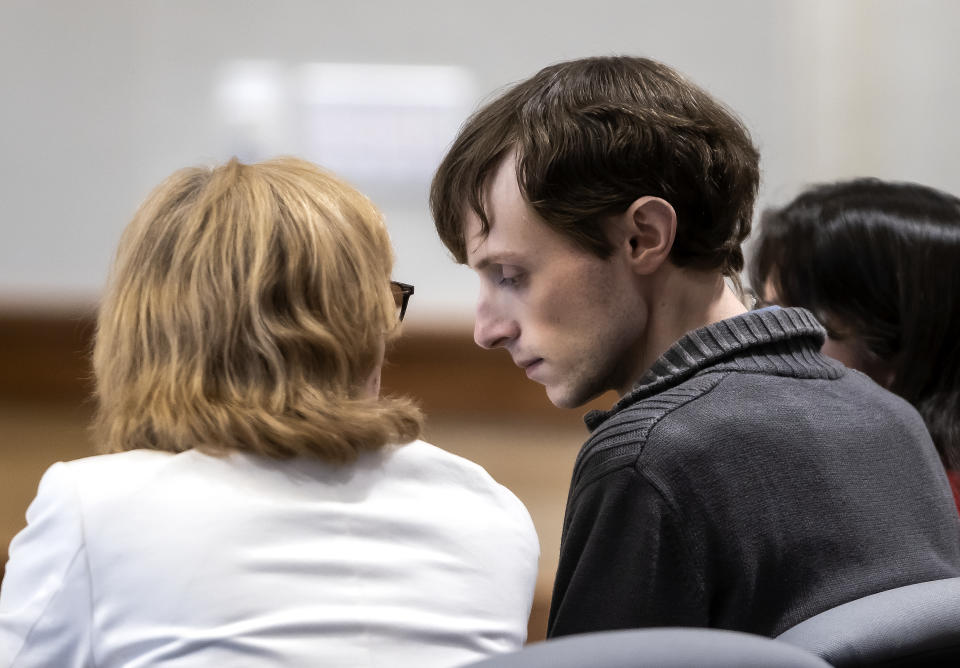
x=99, y=100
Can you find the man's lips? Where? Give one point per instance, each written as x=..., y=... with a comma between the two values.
x=530, y=365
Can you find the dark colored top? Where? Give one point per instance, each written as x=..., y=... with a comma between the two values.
x=748, y=482
x=954, y=477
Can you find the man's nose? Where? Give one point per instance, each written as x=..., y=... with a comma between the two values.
x=493, y=328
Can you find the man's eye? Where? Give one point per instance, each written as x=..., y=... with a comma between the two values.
x=510, y=278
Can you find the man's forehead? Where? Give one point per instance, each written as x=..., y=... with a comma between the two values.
x=476, y=238
x=511, y=231
x=486, y=247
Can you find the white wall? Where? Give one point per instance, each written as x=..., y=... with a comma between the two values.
x=99, y=100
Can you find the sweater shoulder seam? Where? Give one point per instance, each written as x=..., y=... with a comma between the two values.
x=629, y=432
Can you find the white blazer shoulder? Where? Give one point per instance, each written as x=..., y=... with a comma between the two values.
x=412, y=556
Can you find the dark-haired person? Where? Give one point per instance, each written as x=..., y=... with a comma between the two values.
x=262, y=504
x=879, y=264
x=743, y=481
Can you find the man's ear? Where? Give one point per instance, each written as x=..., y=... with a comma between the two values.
x=650, y=226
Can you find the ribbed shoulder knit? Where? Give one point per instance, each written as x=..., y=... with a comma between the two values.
x=780, y=342
x=747, y=482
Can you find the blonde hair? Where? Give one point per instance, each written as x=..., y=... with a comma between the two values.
x=246, y=310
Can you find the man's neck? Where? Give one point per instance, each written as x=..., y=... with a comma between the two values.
x=683, y=301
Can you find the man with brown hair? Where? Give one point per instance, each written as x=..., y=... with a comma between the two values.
x=743, y=480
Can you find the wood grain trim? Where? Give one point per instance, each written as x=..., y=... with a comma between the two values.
x=45, y=357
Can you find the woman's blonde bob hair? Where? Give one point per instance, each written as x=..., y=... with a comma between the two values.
x=247, y=308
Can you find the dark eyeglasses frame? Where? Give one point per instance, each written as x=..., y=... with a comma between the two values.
x=401, y=295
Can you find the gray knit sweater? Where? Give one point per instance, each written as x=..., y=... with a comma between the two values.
x=748, y=482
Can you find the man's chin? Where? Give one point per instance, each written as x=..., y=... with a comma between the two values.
x=564, y=398
x=575, y=395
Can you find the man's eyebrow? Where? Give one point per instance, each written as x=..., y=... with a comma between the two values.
x=501, y=257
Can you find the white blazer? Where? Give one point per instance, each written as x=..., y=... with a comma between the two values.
x=410, y=557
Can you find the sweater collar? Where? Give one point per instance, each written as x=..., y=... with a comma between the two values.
x=782, y=341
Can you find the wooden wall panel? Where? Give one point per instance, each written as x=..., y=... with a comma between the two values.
x=45, y=357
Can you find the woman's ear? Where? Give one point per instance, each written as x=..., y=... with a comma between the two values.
x=649, y=227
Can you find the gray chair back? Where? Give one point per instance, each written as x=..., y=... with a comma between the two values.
x=657, y=648
x=916, y=625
